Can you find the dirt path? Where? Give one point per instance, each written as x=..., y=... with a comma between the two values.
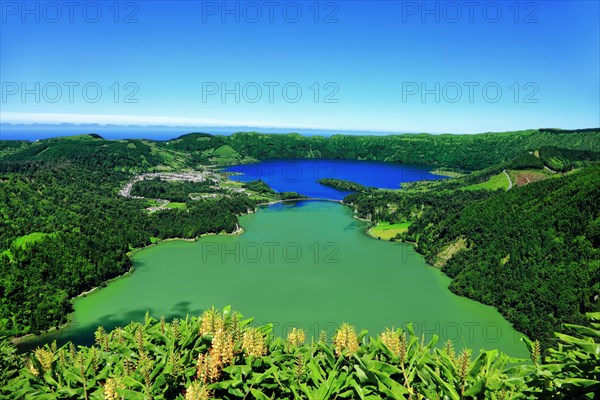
x=510, y=185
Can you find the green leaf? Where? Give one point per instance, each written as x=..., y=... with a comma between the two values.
x=228, y=384
x=589, y=385
x=259, y=395
x=583, y=330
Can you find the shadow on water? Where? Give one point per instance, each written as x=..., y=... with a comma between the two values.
x=84, y=334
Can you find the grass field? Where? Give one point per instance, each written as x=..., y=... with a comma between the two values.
x=228, y=183
x=31, y=238
x=152, y=203
x=23, y=241
x=174, y=204
x=386, y=231
x=494, y=183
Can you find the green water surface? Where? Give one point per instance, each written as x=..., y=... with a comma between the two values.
x=307, y=264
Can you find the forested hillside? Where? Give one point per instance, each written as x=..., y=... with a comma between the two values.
x=469, y=152
x=64, y=230
x=532, y=252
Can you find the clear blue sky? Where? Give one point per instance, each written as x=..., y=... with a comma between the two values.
x=376, y=56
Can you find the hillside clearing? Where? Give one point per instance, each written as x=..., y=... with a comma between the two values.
x=523, y=177
x=387, y=231
x=496, y=182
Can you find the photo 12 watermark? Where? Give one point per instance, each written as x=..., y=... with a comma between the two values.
x=269, y=252
x=54, y=12
x=270, y=92
x=290, y=171
x=253, y=12
x=453, y=12
x=469, y=92
x=71, y=92
x=458, y=332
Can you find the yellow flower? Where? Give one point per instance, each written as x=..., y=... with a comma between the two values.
x=196, y=391
x=392, y=340
x=345, y=340
x=45, y=358
x=296, y=337
x=110, y=389
x=211, y=322
x=253, y=343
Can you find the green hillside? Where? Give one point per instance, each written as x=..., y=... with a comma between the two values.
x=532, y=251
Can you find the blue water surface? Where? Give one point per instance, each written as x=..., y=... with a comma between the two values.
x=285, y=175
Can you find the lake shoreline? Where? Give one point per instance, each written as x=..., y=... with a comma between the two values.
x=28, y=342
x=130, y=254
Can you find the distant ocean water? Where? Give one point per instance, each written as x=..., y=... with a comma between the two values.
x=46, y=131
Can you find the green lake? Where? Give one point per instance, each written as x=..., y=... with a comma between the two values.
x=307, y=264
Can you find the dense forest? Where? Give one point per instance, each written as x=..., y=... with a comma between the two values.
x=64, y=230
x=468, y=152
x=532, y=252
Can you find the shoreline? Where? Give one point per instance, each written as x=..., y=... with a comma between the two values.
x=131, y=254
x=15, y=339
x=239, y=230
x=446, y=173
x=296, y=200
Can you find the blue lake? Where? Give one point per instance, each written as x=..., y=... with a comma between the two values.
x=301, y=176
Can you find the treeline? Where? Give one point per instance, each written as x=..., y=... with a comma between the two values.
x=555, y=130
x=410, y=205
x=563, y=160
x=341, y=184
x=93, y=152
x=531, y=252
x=261, y=187
x=90, y=231
x=466, y=152
x=469, y=152
x=526, y=160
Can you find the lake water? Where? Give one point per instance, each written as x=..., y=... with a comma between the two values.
x=301, y=175
x=307, y=264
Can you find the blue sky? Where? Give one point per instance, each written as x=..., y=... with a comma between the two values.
x=378, y=66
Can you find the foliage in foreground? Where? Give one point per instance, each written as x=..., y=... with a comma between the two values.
x=221, y=356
